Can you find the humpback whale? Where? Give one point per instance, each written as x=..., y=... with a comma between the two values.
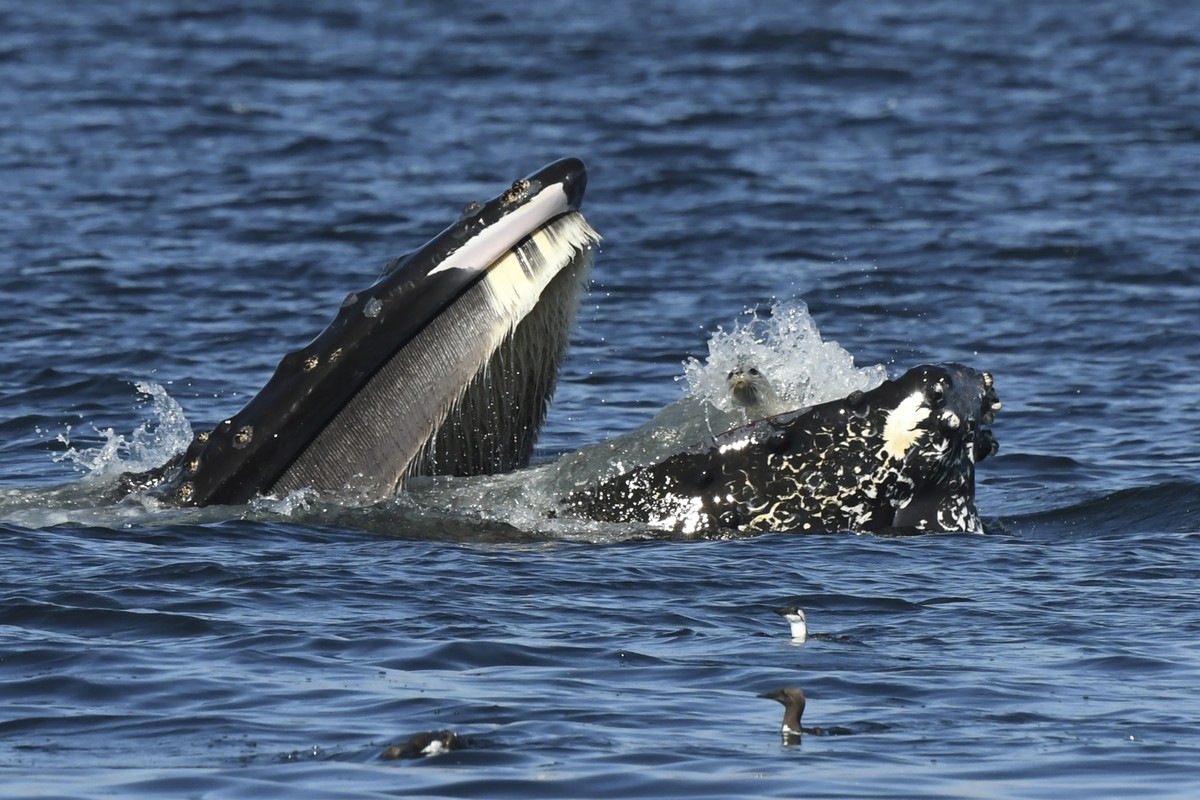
x=899, y=458
x=444, y=366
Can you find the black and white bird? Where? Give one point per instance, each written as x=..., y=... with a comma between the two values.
x=795, y=617
x=429, y=743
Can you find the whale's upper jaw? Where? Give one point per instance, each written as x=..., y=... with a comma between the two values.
x=899, y=458
x=437, y=317
x=485, y=231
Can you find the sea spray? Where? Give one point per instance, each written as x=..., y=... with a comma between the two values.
x=784, y=344
x=150, y=445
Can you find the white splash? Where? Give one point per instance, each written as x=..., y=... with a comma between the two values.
x=85, y=502
x=150, y=445
x=786, y=347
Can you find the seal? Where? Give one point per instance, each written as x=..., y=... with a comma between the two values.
x=750, y=391
x=899, y=458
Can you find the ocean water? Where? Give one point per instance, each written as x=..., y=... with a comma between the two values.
x=191, y=189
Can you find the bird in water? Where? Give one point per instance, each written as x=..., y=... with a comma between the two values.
x=750, y=391
x=429, y=743
x=793, y=701
x=794, y=614
x=795, y=617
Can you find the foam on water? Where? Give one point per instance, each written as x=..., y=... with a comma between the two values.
x=784, y=344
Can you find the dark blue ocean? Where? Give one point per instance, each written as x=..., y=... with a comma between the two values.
x=189, y=189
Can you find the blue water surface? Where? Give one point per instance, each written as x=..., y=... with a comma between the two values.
x=191, y=189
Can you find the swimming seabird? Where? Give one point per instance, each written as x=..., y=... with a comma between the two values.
x=795, y=617
x=429, y=743
x=792, y=698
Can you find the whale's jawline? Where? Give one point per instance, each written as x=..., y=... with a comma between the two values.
x=444, y=366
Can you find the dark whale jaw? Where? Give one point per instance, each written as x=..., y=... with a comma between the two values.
x=444, y=366
x=897, y=459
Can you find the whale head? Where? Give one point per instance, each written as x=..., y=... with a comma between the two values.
x=899, y=458
x=445, y=365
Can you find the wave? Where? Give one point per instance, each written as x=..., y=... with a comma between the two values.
x=1168, y=507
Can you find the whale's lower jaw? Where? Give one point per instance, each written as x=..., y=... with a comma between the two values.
x=467, y=396
x=897, y=459
x=444, y=366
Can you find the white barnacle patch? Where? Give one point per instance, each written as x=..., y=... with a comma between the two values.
x=900, y=431
x=243, y=436
x=520, y=189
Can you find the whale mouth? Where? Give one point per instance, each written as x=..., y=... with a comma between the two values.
x=899, y=458
x=444, y=366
